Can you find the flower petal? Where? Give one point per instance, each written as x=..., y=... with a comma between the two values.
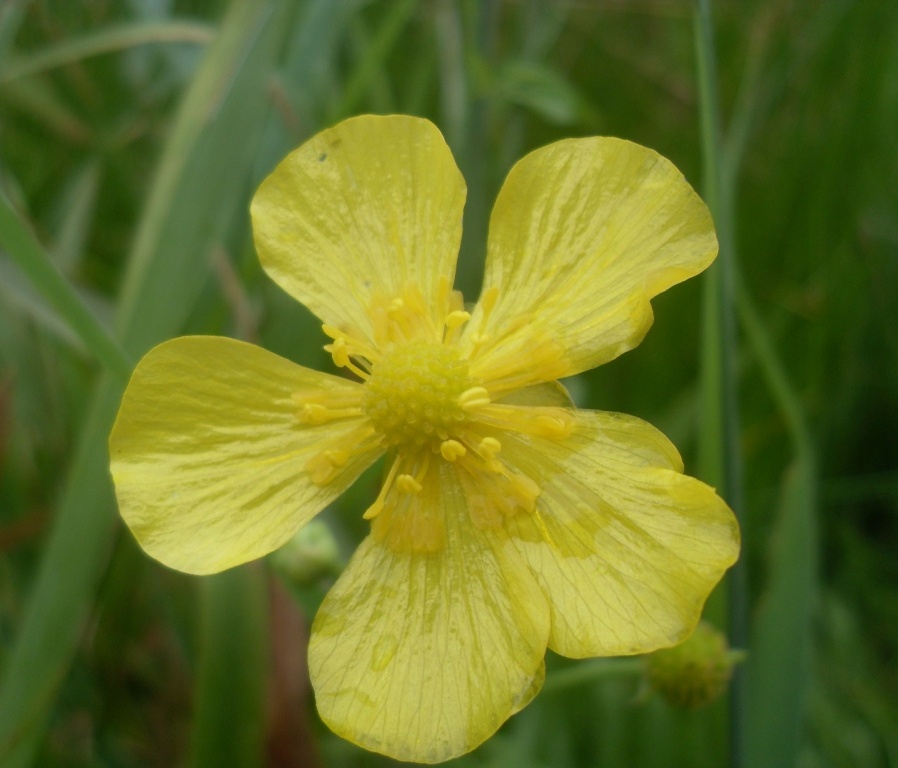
x=625, y=547
x=584, y=232
x=423, y=655
x=358, y=213
x=208, y=454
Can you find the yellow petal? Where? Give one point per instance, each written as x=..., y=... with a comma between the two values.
x=549, y=393
x=625, y=547
x=584, y=232
x=423, y=655
x=208, y=454
x=358, y=213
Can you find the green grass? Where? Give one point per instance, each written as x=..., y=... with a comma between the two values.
x=132, y=136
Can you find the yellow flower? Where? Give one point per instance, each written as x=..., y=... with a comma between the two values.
x=508, y=521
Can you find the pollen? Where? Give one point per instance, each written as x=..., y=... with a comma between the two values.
x=413, y=393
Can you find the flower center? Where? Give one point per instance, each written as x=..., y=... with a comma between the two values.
x=413, y=393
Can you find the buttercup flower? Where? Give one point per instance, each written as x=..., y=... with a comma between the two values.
x=508, y=520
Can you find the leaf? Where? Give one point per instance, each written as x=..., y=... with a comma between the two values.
x=198, y=192
x=778, y=669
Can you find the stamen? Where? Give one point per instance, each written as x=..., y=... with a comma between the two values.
x=349, y=352
x=395, y=307
x=452, y=450
x=337, y=457
x=489, y=447
x=313, y=413
x=321, y=406
x=494, y=492
x=408, y=484
x=326, y=465
x=475, y=397
x=524, y=488
x=352, y=339
x=488, y=304
x=553, y=426
x=316, y=413
x=340, y=352
x=403, y=317
x=499, y=367
x=334, y=333
x=378, y=506
x=549, y=422
x=457, y=318
x=399, y=313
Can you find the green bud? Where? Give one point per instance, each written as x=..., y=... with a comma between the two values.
x=309, y=555
x=695, y=672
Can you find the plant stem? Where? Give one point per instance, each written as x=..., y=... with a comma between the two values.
x=721, y=345
x=590, y=671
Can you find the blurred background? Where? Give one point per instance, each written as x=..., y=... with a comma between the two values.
x=133, y=134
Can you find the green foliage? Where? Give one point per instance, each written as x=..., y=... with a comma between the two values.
x=132, y=135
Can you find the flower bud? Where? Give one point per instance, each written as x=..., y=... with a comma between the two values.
x=695, y=672
x=309, y=555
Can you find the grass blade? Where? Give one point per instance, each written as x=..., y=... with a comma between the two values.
x=197, y=193
x=34, y=261
x=719, y=438
x=228, y=725
x=106, y=41
x=778, y=672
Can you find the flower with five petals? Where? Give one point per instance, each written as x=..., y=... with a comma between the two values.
x=508, y=521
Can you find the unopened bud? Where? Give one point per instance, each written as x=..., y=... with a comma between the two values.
x=695, y=672
x=309, y=555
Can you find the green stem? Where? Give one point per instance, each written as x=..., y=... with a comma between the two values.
x=721, y=345
x=33, y=260
x=228, y=727
x=590, y=671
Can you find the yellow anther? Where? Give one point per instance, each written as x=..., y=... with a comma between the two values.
x=408, y=484
x=334, y=333
x=452, y=450
x=337, y=457
x=320, y=408
x=553, y=426
x=323, y=467
x=378, y=506
x=329, y=463
x=457, y=318
x=374, y=510
x=489, y=447
x=339, y=352
x=396, y=306
x=475, y=397
x=525, y=489
x=320, y=469
x=312, y=413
